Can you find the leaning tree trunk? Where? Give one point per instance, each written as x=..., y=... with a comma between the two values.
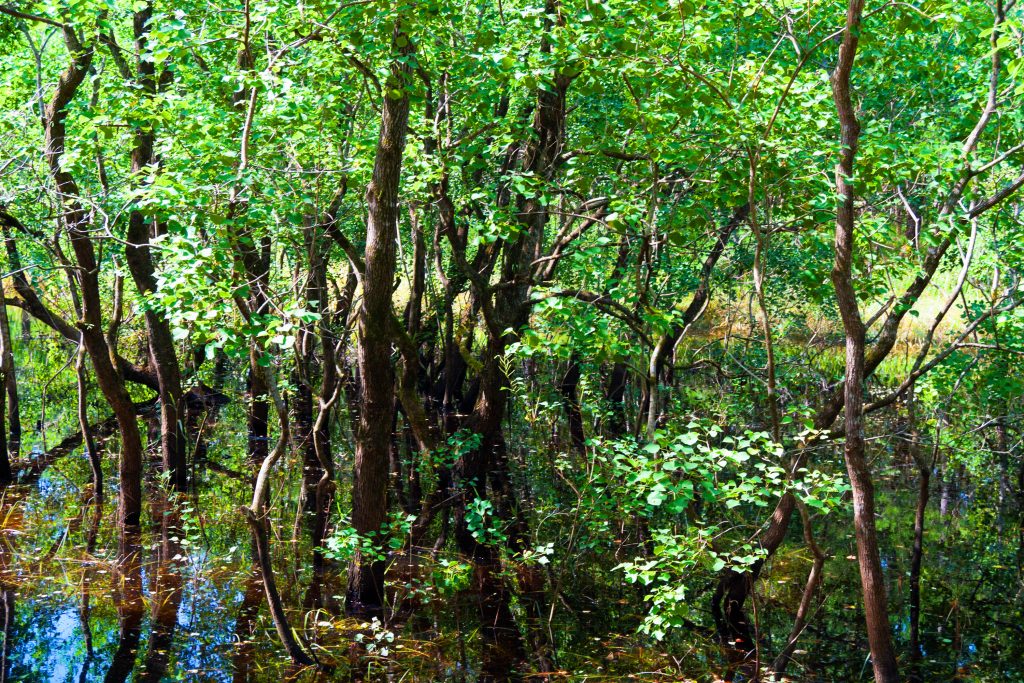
x=77, y=223
x=807, y=599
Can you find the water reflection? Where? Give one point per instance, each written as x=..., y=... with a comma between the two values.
x=91, y=533
x=245, y=626
x=95, y=605
x=127, y=594
x=166, y=591
x=181, y=600
x=6, y=612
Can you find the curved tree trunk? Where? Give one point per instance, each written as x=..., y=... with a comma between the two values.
x=883, y=657
x=76, y=221
x=803, y=611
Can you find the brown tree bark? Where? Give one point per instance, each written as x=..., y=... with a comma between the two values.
x=376, y=376
x=32, y=306
x=10, y=430
x=735, y=585
x=807, y=599
x=666, y=344
x=6, y=474
x=257, y=514
x=76, y=222
x=615, y=395
x=314, y=424
x=883, y=657
x=258, y=416
x=10, y=384
x=139, y=259
x=95, y=462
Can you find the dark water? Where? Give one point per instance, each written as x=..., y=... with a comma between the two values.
x=180, y=601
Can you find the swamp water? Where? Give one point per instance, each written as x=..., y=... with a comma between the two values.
x=181, y=601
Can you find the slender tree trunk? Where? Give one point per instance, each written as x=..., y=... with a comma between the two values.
x=95, y=462
x=9, y=438
x=6, y=473
x=886, y=339
x=656, y=370
x=883, y=657
x=807, y=600
x=257, y=514
x=258, y=419
x=615, y=395
x=924, y=466
x=303, y=411
x=569, y=389
x=314, y=425
x=10, y=381
x=924, y=481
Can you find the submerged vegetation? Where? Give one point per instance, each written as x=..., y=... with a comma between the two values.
x=585, y=340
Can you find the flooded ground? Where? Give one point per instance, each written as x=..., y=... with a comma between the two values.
x=181, y=601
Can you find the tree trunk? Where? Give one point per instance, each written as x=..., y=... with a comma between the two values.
x=615, y=395
x=76, y=221
x=258, y=419
x=803, y=612
x=95, y=462
x=883, y=657
x=663, y=348
x=916, y=556
x=924, y=466
x=139, y=259
x=569, y=389
x=377, y=390
x=10, y=381
x=6, y=473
